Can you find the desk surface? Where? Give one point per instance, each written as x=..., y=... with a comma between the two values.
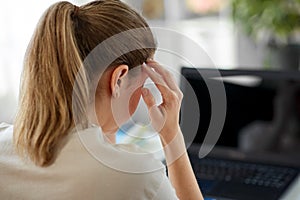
x=293, y=193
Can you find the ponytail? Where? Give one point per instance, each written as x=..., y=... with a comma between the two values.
x=52, y=61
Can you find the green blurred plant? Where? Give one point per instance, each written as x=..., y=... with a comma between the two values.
x=278, y=19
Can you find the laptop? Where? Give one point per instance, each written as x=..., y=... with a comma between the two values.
x=256, y=154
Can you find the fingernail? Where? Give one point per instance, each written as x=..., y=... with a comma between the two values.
x=150, y=60
x=144, y=91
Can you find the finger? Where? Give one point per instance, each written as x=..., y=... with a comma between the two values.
x=158, y=80
x=166, y=93
x=156, y=114
x=166, y=75
x=148, y=98
x=155, y=77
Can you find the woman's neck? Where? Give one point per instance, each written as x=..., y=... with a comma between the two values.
x=105, y=121
x=110, y=137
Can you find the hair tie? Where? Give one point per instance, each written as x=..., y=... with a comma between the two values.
x=74, y=14
x=76, y=9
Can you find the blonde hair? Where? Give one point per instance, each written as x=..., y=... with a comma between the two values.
x=64, y=37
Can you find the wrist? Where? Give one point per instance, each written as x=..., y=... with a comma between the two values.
x=175, y=148
x=168, y=134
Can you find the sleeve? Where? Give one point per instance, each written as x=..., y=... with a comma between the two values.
x=165, y=191
x=3, y=125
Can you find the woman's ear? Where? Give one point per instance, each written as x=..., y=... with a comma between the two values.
x=117, y=78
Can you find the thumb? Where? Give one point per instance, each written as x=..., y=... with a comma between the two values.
x=148, y=98
x=156, y=114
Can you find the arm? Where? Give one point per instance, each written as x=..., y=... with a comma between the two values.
x=180, y=171
x=165, y=119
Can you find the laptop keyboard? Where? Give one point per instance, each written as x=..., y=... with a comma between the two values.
x=242, y=172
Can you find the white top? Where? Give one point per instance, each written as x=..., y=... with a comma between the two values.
x=79, y=172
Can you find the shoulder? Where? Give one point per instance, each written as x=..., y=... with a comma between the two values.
x=7, y=151
x=4, y=126
x=126, y=158
x=134, y=173
x=6, y=133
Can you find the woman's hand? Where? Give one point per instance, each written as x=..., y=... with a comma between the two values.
x=164, y=117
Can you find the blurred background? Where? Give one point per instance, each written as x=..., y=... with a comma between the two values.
x=256, y=34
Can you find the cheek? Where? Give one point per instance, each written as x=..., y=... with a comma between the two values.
x=134, y=100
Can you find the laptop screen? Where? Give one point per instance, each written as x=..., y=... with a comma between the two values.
x=262, y=108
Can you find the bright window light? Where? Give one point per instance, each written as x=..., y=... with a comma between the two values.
x=18, y=20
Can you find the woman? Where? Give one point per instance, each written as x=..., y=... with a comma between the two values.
x=42, y=157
